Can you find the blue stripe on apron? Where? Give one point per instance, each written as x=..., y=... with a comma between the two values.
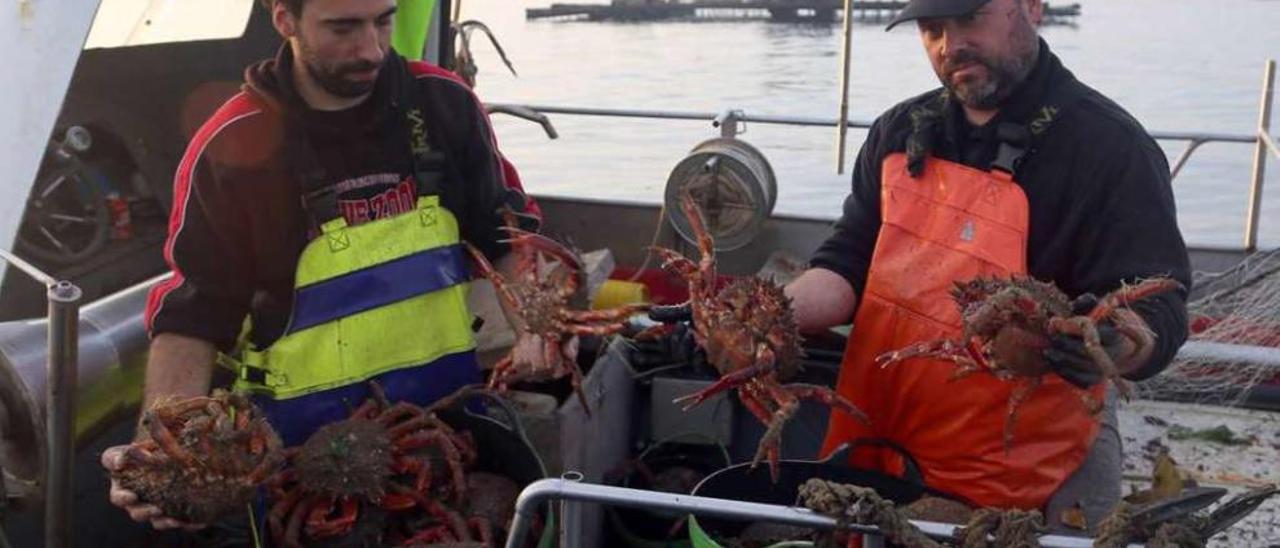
x=380, y=285
x=295, y=419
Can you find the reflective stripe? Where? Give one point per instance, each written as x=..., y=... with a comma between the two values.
x=295, y=419
x=379, y=285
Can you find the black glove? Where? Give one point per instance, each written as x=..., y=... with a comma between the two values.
x=676, y=347
x=1067, y=357
x=671, y=313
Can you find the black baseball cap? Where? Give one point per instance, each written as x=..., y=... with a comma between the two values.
x=921, y=9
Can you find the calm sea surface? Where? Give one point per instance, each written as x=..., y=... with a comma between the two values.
x=1177, y=65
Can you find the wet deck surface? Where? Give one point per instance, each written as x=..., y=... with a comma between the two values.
x=1251, y=460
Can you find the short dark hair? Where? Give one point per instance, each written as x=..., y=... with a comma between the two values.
x=294, y=6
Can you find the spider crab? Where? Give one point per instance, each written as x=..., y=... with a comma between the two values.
x=548, y=275
x=369, y=459
x=200, y=458
x=1008, y=322
x=749, y=336
x=491, y=500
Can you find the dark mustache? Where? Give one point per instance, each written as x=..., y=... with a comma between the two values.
x=960, y=59
x=359, y=66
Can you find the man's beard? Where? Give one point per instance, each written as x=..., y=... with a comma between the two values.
x=333, y=78
x=1002, y=75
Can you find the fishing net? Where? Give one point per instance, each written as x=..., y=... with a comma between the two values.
x=1240, y=305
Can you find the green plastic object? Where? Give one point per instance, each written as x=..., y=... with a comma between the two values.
x=700, y=538
x=413, y=22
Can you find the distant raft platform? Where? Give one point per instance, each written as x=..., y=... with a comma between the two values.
x=778, y=10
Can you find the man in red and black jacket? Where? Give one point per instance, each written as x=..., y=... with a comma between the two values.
x=1014, y=167
x=336, y=130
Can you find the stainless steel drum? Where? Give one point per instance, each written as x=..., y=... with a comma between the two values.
x=734, y=185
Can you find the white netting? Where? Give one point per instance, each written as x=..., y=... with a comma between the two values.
x=1237, y=306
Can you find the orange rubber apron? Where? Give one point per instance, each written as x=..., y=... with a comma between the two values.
x=952, y=223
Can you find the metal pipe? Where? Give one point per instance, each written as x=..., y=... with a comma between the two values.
x=27, y=267
x=1254, y=210
x=545, y=490
x=825, y=122
x=1229, y=353
x=728, y=122
x=841, y=117
x=570, y=514
x=1270, y=142
x=1186, y=155
x=64, y=319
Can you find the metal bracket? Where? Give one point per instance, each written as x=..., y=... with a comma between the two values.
x=525, y=113
x=731, y=123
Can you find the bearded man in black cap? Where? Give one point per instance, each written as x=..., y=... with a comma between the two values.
x=1013, y=167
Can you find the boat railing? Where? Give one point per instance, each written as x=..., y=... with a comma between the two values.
x=729, y=121
x=571, y=493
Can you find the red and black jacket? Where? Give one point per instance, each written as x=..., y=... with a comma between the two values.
x=240, y=218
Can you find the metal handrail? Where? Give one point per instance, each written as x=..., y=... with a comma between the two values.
x=728, y=120
x=1263, y=138
x=535, y=494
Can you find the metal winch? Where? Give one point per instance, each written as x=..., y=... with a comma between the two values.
x=730, y=180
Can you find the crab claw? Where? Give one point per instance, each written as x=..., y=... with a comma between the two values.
x=542, y=243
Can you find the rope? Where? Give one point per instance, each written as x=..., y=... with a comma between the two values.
x=1011, y=529
x=862, y=506
x=648, y=253
x=1116, y=529
x=1175, y=535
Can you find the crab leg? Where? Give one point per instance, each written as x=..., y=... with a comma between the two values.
x=1085, y=328
x=764, y=364
x=293, y=531
x=284, y=503
x=142, y=456
x=453, y=458
x=707, y=264
x=1130, y=294
x=609, y=315
x=544, y=244
x=769, y=443
x=600, y=330
x=1016, y=399
x=166, y=441
x=944, y=349
x=483, y=528
x=499, y=284
x=500, y=370
x=828, y=397
x=751, y=400
x=320, y=526
x=676, y=263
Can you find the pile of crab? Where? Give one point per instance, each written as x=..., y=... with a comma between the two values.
x=389, y=475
